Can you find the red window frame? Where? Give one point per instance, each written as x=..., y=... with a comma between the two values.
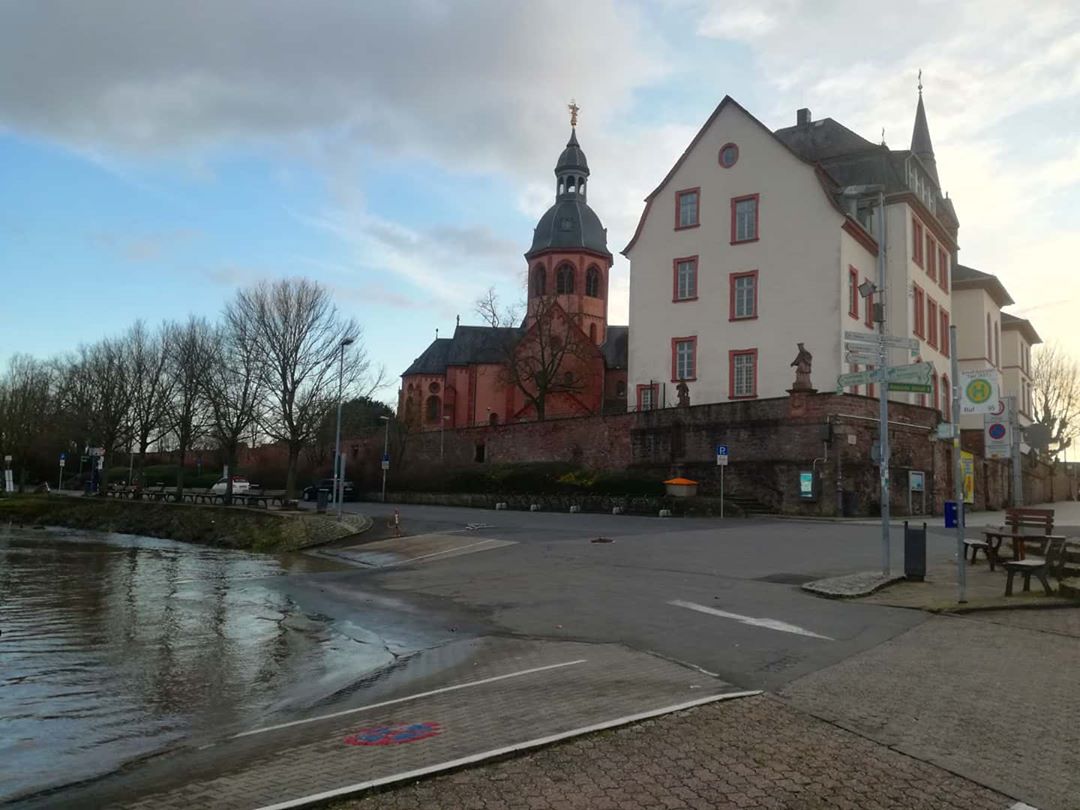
x=757, y=218
x=675, y=279
x=853, y=292
x=732, y=354
x=869, y=308
x=931, y=258
x=943, y=269
x=724, y=148
x=917, y=241
x=678, y=205
x=732, y=280
x=655, y=388
x=919, y=297
x=675, y=341
x=932, y=321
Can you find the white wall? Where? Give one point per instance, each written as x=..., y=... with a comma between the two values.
x=802, y=274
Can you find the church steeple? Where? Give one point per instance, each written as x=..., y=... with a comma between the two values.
x=921, y=146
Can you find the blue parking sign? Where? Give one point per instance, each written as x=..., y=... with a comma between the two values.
x=721, y=450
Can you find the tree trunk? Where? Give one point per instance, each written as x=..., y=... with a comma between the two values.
x=180, y=475
x=290, y=476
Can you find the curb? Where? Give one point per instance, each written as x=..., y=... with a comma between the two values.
x=817, y=590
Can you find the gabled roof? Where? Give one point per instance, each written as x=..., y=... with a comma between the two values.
x=824, y=139
x=1022, y=325
x=727, y=101
x=433, y=360
x=968, y=278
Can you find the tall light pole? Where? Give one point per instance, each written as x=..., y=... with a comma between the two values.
x=385, y=455
x=339, y=484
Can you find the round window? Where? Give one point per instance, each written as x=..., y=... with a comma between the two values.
x=729, y=153
x=434, y=388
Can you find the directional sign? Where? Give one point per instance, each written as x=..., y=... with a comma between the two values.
x=862, y=357
x=915, y=373
x=857, y=378
x=874, y=338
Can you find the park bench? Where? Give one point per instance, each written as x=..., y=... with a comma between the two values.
x=1052, y=561
x=156, y=493
x=1021, y=524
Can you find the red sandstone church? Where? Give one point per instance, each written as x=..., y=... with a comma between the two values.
x=562, y=360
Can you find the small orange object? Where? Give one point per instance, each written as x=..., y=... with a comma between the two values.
x=685, y=482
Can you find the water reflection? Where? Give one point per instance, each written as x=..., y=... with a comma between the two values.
x=115, y=646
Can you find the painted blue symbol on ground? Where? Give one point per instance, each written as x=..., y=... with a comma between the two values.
x=394, y=734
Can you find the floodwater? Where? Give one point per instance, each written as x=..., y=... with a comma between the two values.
x=114, y=647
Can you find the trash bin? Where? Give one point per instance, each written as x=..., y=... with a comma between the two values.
x=322, y=499
x=914, y=553
x=950, y=514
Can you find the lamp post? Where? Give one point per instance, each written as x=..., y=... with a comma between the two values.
x=386, y=454
x=339, y=484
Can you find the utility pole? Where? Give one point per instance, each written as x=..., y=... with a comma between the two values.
x=386, y=455
x=958, y=474
x=1017, y=467
x=883, y=412
x=339, y=483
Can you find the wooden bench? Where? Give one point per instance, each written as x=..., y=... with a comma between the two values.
x=1053, y=555
x=1021, y=524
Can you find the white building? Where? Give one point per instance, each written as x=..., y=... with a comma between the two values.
x=750, y=245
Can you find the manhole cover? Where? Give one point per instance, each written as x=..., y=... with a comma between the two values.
x=787, y=579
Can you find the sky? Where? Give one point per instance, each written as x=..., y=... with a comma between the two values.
x=155, y=157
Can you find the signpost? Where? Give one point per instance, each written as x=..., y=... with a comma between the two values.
x=721, y=462
x=60, y=478
x=9, y=481
x=980, y=391
x=916, y=377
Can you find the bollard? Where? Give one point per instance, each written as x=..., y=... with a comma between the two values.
x=500, y=506
x=534, y=507
x=616, y=510
x=574, y=510
x=665, y=513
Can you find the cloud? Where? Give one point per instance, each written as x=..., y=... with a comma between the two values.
x=476, y=85
x=145, y=247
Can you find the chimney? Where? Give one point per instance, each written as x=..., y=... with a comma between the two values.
x=802, y=117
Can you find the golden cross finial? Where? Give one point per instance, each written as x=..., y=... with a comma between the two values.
x=573, y=108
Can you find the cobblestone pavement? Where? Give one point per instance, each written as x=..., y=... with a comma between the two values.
x=749, y=753
x=506, y=693
x=991, y=696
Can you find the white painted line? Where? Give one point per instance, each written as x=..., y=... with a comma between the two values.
x=444, y=689
x=771, y=624
x=1022, y=806
x=437, y=553
x=499, y=752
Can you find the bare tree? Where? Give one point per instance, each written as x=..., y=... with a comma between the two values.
x=25, y=410
x=1055, y=379
x=96, y=386
x=298, y=337
x=545, y=356
x=189, y=360
x=232, y=390
x=151, y=386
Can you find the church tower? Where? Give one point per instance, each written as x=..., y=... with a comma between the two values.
x=569, y=261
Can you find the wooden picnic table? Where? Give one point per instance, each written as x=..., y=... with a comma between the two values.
x=1022, y=524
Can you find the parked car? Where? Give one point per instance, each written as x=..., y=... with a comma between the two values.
x=239, y=485
x=312, y=492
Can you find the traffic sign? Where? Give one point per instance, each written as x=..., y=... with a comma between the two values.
x=721, y=455
x=876, y=339
x=856, y=378
x=63, y=456
x=980, y=391
x=913, y=374
x=862, y=357
x=63, y=461
x=386, y=461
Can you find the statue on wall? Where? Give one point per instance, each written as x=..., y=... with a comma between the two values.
x=683, y=392
x=802, y=364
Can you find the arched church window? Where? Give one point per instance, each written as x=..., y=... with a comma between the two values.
x=564, y=280
x=539, y=280
x=433, y=408
x=592, y=282
x=573, y=186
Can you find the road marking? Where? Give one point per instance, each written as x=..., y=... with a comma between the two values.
x=771, y=624
x=454, y=688
x=500, y=752
x=1021, y=806
x=437, y=553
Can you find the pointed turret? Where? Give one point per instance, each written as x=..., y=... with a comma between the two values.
x=921, y=146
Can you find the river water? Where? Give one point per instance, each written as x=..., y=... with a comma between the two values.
x=113, y=647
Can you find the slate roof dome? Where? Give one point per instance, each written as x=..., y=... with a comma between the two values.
x=570, y=223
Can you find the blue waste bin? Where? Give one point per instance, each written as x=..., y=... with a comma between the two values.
x=950, y=514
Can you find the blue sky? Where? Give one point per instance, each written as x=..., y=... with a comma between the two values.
x=152, y=161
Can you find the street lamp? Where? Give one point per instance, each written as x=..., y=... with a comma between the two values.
x=854, y=192
x=385, y=455
x=339, y=483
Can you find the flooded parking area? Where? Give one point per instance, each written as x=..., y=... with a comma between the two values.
x=114, y=647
